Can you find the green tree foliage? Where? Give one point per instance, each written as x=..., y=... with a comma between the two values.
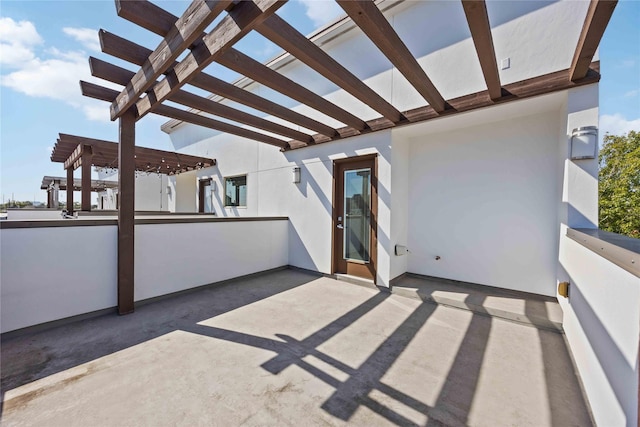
x=620, y=184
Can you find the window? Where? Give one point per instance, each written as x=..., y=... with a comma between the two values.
x=235, y=191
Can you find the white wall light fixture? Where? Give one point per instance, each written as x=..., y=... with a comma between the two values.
x=584, y=142
x=213, y=186
x=296, y=175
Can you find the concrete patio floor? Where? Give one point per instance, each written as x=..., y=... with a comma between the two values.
x=289, y=348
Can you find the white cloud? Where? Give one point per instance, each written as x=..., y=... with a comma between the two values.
x=17, y=40
x=54, y=74
x=321, y=12
x=632, y=93
x=617, y=124
x=87, y=36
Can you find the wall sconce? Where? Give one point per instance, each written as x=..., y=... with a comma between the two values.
x=213, y=186
x=584, y=142
x=296, y=175
x=168, y=190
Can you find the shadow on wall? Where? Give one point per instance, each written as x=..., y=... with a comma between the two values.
x=299, y=255
x=610, y=358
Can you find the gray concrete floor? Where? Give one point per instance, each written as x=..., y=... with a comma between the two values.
x=288, y=348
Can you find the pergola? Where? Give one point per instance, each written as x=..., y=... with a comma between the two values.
x=161, y=77
x=53, y=184
x=77, y=151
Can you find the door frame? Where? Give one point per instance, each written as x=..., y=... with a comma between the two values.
x=374, y=211
x=202, y=184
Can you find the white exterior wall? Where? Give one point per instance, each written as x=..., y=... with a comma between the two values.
x=53, y=273
x=175, y=257
x=485, y=200
x=151, y=192
x=602, y=325
x=602, y=314
x=29, y=214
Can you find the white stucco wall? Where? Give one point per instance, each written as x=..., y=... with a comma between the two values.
x=174, y=257
x=29, y=214
x=485, y=200
x=151, y=192
x=52, y=273
x=602, y=325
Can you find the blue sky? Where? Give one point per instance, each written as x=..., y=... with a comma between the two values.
x=44, y=47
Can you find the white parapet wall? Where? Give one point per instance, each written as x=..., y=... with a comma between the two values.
x=602, y=325
x=28, y=214
x=174, y=257
x=50, y=273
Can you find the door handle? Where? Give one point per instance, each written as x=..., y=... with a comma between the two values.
x=340, y=226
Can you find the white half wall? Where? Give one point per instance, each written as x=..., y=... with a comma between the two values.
x=175, y=257
x=51, y=273
x=485, y=200
x=602, y=325
x=29, y=214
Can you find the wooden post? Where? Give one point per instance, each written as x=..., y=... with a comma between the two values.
x=126, y=209
x=70, y=190
x=87, y=155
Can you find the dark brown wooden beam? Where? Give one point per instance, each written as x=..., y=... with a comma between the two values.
x=86, y=177
x=291, y=40
x=478, y=20
x=241, y=19
x=115, y=74
x=524, y=89
x=126, y=209
x=128, y=51
x=186, y=30
x=105, y=94
x=368, y=17
x=207, y=122
x=598, y=16
x=73, y=158
x=70, y=191
x=247, y=66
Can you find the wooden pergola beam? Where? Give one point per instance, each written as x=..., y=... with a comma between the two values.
x=106, y=94
x=175, y=113
x=478, y=20
x=118, y=75
x=244, y=17
x=249, y=67
x=131, y=52
x=291, y=40
x=595, y=23
x=70, y=162
x=186, y=30
x=372, y=22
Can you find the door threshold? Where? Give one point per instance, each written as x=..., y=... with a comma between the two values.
x=355, y=280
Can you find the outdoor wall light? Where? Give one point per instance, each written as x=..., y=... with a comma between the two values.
x=584, y=142
x=296, y=175
x=213, y=186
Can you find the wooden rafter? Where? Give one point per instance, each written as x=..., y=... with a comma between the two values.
x=370, y=19
x=121, y=76
x=240, y=20
x=595, y=23
x=478, y=20
x=246, y=66
x=105, y=154
x=284, y=35
x=131, y=52
x=536, y=86
x=185, y=31
x=105, y=94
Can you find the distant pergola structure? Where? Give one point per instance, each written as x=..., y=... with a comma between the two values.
x=143, y=93
x=77, y=151
x=54, y=184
